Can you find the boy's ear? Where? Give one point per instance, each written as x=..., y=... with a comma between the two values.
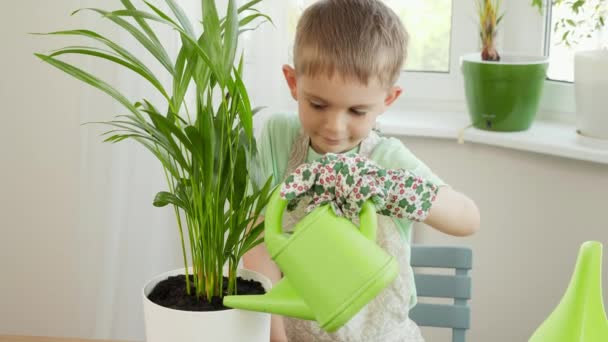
x=290, y=77
x=393, y=94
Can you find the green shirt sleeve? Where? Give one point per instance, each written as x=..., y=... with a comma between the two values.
x=274, y=145
x=390, y=153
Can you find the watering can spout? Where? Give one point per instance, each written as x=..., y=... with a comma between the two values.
x=282, y=300
x=580, y=315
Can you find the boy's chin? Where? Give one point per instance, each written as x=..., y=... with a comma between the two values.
x=330, y=148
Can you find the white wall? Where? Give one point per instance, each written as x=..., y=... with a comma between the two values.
x=39, y=177
x=77, y=242
x=536, y=210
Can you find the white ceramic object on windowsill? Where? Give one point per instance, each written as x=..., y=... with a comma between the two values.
x=591, y=88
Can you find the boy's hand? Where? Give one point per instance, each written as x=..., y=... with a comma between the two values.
x=343, y=181
x=347, y=181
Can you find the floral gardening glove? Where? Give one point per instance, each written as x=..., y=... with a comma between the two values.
x=346, y=181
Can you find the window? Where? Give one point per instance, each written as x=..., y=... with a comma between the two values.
x=428, y=23
x=573, y=26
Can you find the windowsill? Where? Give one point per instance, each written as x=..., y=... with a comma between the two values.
x=546, y=137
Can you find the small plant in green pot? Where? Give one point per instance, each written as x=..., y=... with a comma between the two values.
x=502, y=91
x=205, y=150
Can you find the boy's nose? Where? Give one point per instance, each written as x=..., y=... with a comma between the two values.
x=334, y=123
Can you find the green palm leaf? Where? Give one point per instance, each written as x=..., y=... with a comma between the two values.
x=105, y=55
x=156, y=50
x=244, y=106
x=142, y=23
x=181, y=17
x=89, y=79
x=93, y=35
x=231, y=35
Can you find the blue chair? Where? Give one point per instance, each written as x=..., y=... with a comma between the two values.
x=456, y=316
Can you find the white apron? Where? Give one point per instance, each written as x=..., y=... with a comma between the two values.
x=384, y=319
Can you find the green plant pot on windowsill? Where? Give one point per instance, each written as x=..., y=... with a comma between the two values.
x=503, y=96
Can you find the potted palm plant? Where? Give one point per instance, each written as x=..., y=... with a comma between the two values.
x=205, y=153
x=503, y=91
x=591, y=66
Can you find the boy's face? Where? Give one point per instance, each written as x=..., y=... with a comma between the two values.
x=337, y=114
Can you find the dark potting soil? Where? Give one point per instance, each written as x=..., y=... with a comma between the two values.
x=171, y=293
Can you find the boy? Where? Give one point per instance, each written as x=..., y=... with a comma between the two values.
x=348, y=55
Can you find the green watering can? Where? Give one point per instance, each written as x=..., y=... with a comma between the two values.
x=580, y=315
x=331, y=268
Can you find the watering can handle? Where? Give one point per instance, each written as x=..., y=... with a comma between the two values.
x=276, y=207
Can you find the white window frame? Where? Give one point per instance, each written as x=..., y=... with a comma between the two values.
x=440, y=90
x=558, y=99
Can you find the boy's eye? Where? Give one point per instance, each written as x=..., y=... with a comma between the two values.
x=317, y=106
x=357, y=112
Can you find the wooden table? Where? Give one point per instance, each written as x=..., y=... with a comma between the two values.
x=7, y=338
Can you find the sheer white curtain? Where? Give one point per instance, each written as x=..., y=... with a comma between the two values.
x=124, y=240
x=266, y=50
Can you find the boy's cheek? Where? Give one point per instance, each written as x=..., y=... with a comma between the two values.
x=305, y=119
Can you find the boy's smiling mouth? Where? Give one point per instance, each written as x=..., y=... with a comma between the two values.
x=331, y=141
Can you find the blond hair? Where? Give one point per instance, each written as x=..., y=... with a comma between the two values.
x=355, y=38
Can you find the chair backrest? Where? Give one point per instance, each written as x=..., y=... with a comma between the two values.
x=456, y=316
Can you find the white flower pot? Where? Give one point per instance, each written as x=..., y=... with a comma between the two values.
x=170, y=325
x=591, y=88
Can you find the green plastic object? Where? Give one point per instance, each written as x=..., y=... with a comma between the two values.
x=580, y=315
x=503, y=96
x=331, y=267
